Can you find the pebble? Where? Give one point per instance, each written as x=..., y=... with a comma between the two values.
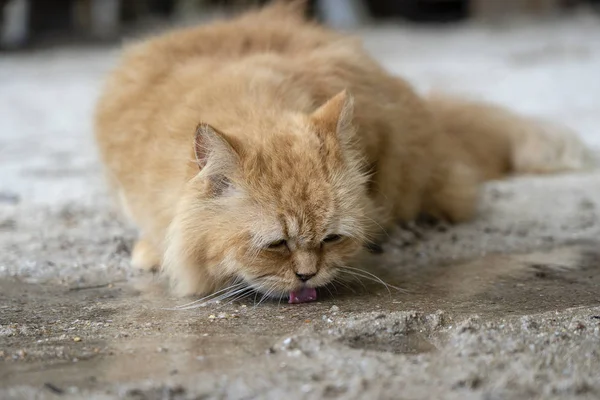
x=576, y=326
x=295, y=353
x=77, y=339
x=306, y=388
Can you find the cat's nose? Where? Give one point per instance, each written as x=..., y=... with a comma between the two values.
x=304, y=277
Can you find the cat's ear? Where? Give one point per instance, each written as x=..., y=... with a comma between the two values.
x=217, y=157
x=212, y=146
x=336, y=116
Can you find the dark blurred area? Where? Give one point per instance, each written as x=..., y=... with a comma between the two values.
x=26, y=23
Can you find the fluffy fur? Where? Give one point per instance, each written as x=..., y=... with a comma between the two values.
x=267, y=150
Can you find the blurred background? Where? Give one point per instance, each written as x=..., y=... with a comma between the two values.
x=26, y=23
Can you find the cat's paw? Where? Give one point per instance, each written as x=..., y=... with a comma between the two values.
x=144, y=256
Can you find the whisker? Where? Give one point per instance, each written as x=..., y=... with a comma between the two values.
x=266, y=295
x=237, y=298
x=265, y=284
x=260, y=301
x=208, y=298
x=255, y=295
x=354, y=278
x=368, y=278
x=379, y=225
x=368, y=275
x=335, y=288
x=224, y=296
x=258, y=289
x=344, y=285
x=234, y=294
x=332, y=296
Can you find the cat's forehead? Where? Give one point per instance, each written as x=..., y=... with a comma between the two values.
x=288, y=159
x=297, y=195
x=293, y=183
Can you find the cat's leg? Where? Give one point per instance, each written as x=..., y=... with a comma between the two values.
x=144, y=256
x=397, y=195
x=397, y=192
x=452, y=195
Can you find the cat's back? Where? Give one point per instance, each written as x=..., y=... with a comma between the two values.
x=276, y=29
x=148, y=80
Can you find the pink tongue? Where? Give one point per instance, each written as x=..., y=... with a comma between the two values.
x=304, y=295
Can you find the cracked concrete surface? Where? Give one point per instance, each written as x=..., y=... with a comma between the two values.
x=507, y=306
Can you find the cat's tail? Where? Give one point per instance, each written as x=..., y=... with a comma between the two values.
x=502, y=142
x=543, y=147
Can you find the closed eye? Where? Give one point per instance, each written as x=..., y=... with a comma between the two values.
x=279, y=244
x=333, y=238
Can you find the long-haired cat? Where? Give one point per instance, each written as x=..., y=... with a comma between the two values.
x=267, y=151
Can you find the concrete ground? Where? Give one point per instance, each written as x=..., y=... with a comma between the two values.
x=504, y=307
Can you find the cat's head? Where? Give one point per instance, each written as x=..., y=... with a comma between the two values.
x=279, y=213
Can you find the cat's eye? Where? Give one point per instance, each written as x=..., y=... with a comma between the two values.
x=333, y=238
x=279, y=244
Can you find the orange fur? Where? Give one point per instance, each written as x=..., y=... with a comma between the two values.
x=221, y=141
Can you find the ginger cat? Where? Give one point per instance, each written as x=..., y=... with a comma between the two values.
x=266, y=151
